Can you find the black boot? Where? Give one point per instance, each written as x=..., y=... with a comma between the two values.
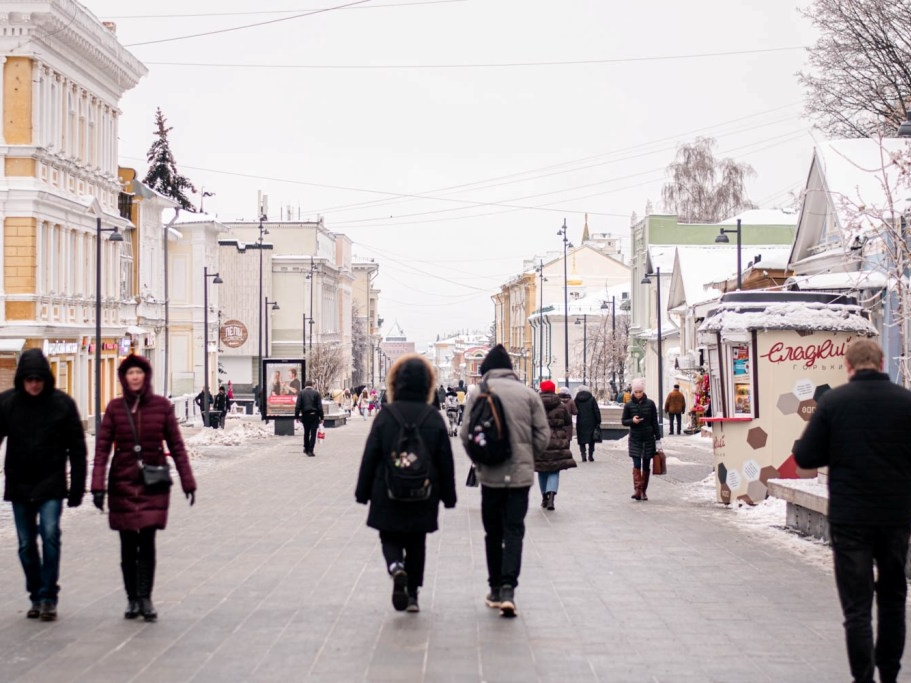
x=129, y=585
x=550, y=500
x=544, y=500
x=145, y=579
x=583, y=453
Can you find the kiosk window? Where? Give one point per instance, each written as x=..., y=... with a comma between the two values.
x=739, y=367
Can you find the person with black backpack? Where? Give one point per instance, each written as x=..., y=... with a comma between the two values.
x=406, y=471
x=505, y=483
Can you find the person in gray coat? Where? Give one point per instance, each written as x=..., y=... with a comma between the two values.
x=505, y=487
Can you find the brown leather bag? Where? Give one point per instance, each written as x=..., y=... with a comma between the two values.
x=659, y=463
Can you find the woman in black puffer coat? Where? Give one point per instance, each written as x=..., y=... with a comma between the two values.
x=557, y=456
x=404, y=526
x=640, y=414
x=588, y=417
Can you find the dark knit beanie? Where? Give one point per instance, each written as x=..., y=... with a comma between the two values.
x=497, y=359
x=412, y=381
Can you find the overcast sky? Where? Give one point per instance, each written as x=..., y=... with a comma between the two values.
x=450, y=138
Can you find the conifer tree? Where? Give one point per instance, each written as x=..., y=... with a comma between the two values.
x=163, y=176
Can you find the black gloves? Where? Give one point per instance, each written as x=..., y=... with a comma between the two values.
x=98, y=499
x=191, y=496
x=74, y=501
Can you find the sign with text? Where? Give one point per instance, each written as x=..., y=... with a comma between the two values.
x=282, y=379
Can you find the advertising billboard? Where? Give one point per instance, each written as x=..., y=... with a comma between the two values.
x=282, y=378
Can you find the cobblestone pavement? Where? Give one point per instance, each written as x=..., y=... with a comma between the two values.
x=273, y=576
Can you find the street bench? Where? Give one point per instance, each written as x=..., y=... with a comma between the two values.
x=611, y=426
x=807, y=505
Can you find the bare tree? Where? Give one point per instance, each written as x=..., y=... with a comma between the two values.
x=876, y=239
x=703, y=189
x=360, y=347
x=605, y=355
x=324, y=367
x=860, y=81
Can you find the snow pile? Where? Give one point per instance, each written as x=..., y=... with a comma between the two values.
x=235, y=433
x=787, y=316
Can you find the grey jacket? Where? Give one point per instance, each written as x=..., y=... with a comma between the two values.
x=529, y=432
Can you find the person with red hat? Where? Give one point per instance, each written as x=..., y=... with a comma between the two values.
x=557, y=455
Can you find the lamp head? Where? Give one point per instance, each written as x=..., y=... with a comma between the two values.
x=217, y=280
x=645, y=280
x=722, y=238
x=604, y=306
x=115, y=236
x=275, y=306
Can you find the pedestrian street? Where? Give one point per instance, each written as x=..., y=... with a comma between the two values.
x=273, y=576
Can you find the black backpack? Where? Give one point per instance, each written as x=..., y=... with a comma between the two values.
x=488, y=435
x=408, y=468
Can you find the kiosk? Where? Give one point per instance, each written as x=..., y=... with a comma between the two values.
x=771, y=355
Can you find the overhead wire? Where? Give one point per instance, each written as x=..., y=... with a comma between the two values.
x=277, y=11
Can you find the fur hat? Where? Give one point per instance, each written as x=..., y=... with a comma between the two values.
x=638, y=384
x=548, y=387
x=497, y=359
x=411, y=378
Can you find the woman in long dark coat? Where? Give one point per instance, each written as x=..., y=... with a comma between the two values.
x=135, y=512
x=640, y=414
x=588, y=417
x=557, y=456
x=404, y=526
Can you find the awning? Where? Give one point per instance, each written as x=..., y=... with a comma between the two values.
x=853, y=280
x=11, y=345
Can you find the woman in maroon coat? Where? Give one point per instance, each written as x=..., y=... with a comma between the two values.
x=136, y=512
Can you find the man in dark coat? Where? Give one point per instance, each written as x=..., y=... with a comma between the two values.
x=860, y=432
x=308, y=409
x=404, y=525
x=43, y=432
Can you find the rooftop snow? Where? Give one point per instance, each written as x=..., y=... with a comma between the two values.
x=787, y=316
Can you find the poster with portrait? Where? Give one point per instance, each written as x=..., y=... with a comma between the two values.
x=742, y=383
x=282, y=380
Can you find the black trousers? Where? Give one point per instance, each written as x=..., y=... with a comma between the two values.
x=311, y=424
x=671, y=418
x=856, y=549
x=410, y=550
x=137, y=560
x=503, y=514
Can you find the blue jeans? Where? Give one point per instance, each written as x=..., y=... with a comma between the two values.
x=549, y=481
x=41, y=571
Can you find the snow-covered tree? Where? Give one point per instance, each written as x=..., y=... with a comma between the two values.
x=859, y=84
x=360, y=348
x=163, y=175
x=605, y=354
x=324, y=367
x=703, y=189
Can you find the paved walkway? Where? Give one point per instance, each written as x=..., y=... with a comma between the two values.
x=273, y=576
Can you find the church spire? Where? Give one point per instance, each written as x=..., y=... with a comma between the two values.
x=585, y=236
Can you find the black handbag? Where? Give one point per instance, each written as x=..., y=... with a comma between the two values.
x=596, y=435
x=156, y=478
x=472, y=479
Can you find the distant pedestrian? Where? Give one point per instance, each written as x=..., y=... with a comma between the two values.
x=139, y=420
x=567, y=398
x=556, y=456
x=587, y=420
x=308, y=409
x=675, y=407
x=404, y=526
x=363, y=404
x=860, y=432
x=221, y=406
x=640, y=414
x=43, y=433
x=230, y=390
x=505, y=487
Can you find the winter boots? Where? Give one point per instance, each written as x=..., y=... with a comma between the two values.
x=637, y=484
x=145, y=579
x=640, y=484
x=129, y=584
x=549, y=500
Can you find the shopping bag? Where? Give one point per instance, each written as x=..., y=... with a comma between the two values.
x=596, y=435
x=659, y=463
x=321, y=433
x=472, y=479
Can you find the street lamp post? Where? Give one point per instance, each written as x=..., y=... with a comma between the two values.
x=205, y=336
x=542, y=280
x=659, y=403
x=613, y=340
x=584, y=323
x=310, y=277
x=275, y=307
x=115, y=237
x=263, y=231
x=566, y=245
x=723, y=239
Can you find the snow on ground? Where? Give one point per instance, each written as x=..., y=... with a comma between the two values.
x=235, y=433
x=765, y=521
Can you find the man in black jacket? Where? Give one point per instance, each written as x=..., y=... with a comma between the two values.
x=43, y=431
x=309, y=410
x=860, y=431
